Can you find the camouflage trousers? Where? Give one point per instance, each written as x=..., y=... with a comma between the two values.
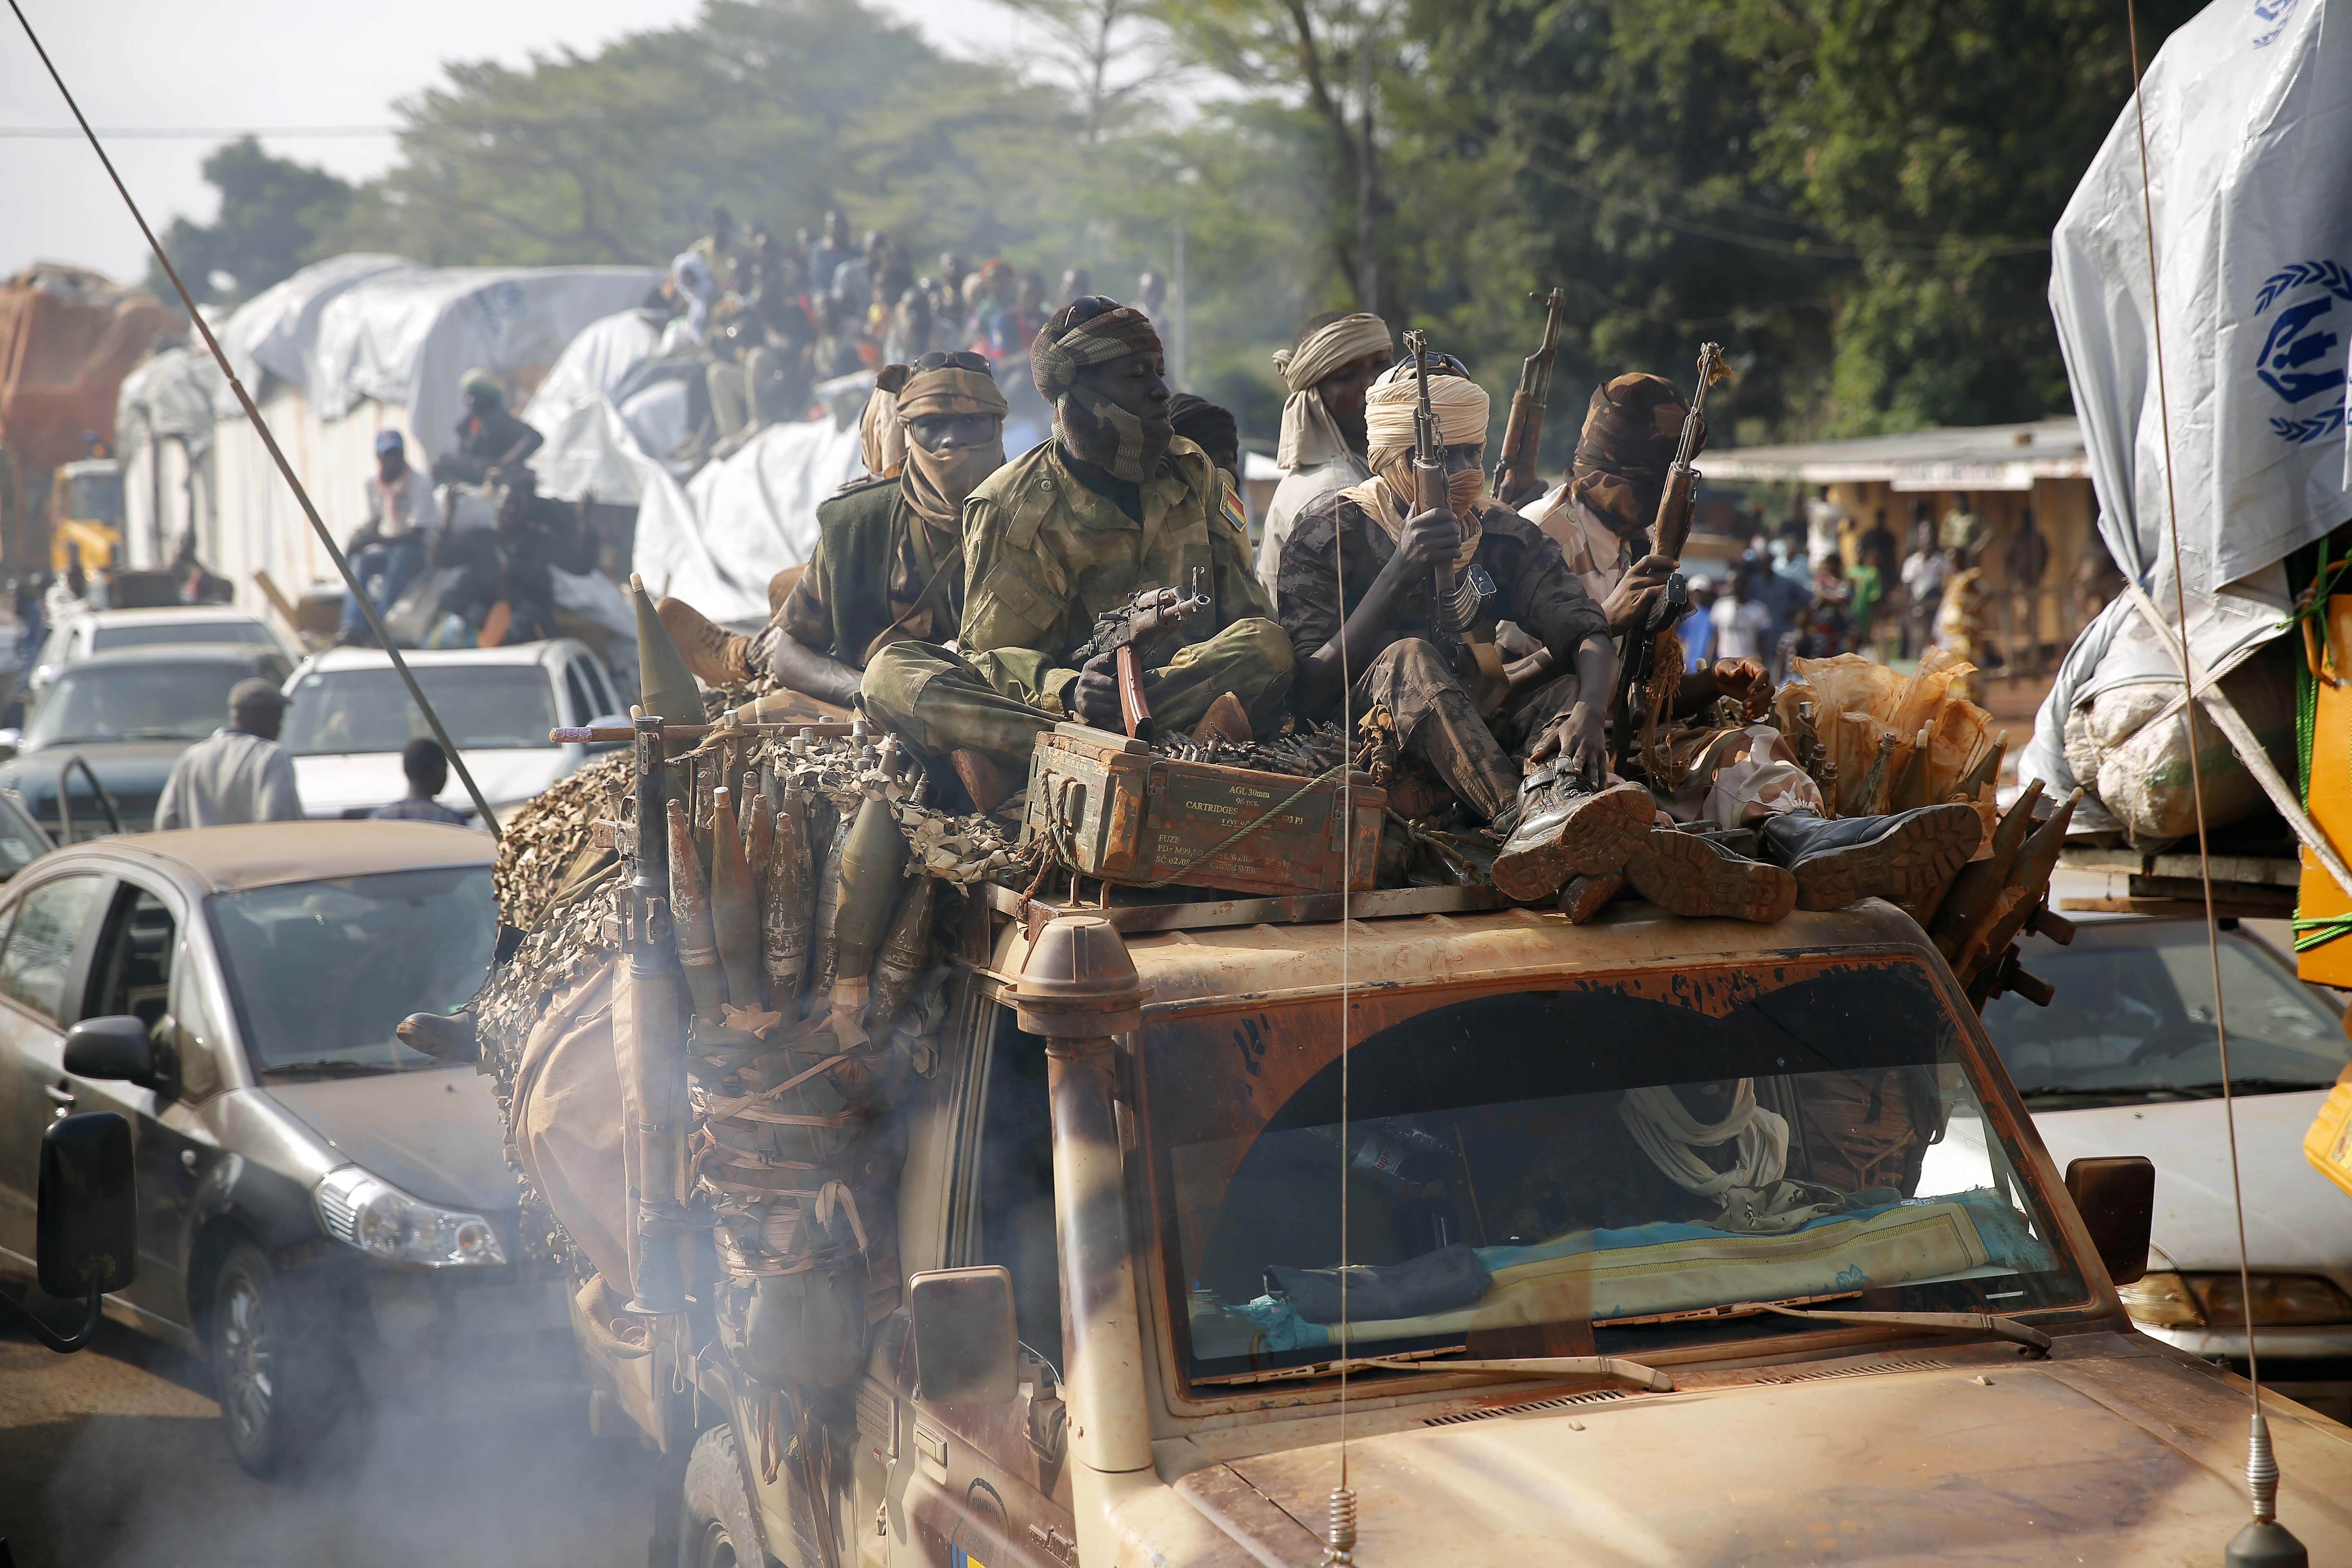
x=1437, y=719
x=940, y=702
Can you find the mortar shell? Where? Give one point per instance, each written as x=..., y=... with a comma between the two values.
x=697, y=948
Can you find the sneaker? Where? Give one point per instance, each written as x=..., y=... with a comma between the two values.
x=1563, y=832
x=1697, y=879
x=1907, y=858
x=716, y=655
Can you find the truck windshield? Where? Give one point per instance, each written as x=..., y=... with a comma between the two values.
x=1537, y=1171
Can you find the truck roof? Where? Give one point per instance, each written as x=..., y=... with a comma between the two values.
x=1223, y=952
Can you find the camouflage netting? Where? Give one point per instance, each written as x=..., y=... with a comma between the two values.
x=544, y=843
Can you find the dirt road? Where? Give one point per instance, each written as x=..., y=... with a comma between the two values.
x=113, y=1458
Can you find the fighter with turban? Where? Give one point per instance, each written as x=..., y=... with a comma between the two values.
x=1325, y=374
x=1600, y=517
x=1115, y=502
x=889, y=563
x=1356, y=600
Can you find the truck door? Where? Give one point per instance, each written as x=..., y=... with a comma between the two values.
x=990, y=1487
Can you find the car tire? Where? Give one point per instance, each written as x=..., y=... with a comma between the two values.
x=280, y=1383
x=716, y=1518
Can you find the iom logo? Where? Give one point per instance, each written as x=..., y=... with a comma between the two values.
x=2303, y=352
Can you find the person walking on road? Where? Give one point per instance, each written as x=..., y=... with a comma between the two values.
x=427, y=770
x=241, y=775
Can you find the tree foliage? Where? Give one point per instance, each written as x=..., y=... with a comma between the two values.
x=272, y=211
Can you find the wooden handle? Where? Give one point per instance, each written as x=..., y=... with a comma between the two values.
x=1132, y=709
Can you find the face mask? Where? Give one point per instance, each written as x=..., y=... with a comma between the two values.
x=937, y=483
x=1463, y=490
x=1102, y=433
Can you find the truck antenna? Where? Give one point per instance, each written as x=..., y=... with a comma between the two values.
x=1340, y=1532
x=261, y=426
x=2263, y=1540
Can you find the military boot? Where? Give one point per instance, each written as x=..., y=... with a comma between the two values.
x=1691, y=876
x=1907, y=858
x=1564, y=830
x=717, y=655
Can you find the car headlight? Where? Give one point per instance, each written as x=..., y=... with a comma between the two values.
x=367, y=1212
x=2198, y=1300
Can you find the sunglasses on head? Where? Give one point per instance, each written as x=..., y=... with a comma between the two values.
x=958, y=359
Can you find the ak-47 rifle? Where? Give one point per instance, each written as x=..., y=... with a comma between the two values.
x=1516, y=479
x=1128, y=632
x=656, y=1022
x=1428, y=495
x=1632, y=713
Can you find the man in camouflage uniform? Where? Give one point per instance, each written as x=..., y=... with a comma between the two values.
x=1114, y=503
x=890, y=559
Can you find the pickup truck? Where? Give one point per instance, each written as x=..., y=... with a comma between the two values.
x=1667, y=1241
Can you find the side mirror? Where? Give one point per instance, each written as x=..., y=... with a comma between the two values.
x=87, y=1230
x=116, y=1046
x=967, y=1349
x=2117, y=1195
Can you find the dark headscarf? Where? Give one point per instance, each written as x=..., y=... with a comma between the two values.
x=1630, y=431
x=1203, y=423
x=1086, y=331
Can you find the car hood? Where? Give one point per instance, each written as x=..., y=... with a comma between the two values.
x=145, y=762
x=2130, y=1462
x=435, y=1134
x=333, y=783
x=2294, y=1216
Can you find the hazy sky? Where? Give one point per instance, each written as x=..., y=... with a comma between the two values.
x=254, y=64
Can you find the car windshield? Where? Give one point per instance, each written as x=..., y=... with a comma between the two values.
x=153, y=699
x=486, y=707
x=175, y=633
x=2132, y=1019
x=321, y=972
x=1549, y=1171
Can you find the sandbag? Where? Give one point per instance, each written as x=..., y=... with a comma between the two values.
x=2138, y=764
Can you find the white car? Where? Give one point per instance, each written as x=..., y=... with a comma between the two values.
x=350, y=717
x=2124, y=1062
x=86, y=632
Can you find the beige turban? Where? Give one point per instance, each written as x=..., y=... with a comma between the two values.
x=1461, y=406
x=1311, y=436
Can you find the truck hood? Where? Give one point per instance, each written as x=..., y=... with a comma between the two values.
x=2128, y=1462
x=435, y=1134
x=334, y=783
x=133, y=771
x=2294, y=1216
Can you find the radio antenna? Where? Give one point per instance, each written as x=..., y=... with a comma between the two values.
x=261, y=427
x=2263, y=1540
x=1339, y=1527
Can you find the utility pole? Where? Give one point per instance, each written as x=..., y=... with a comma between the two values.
x=1184, y=317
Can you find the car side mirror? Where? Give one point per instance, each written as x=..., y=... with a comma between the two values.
x=2116, y=1196
x=967, y=1349
x=86, y=1230
x=118, y=1045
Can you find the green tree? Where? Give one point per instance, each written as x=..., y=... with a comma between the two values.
x=272, y=213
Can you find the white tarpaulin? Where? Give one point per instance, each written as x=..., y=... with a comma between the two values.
x=580, y=460
x=716, y=540
x=2249, y=112
x=2250, y=157
x=276, y=330
x=163, y=419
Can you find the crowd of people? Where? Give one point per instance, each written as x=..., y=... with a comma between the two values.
x=774, y=317
x=953, y=597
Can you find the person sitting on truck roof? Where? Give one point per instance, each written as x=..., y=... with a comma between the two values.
x=488, y=436
x=889, y=564
x=1115, y=503
x=391, y=546
x=1475, y=734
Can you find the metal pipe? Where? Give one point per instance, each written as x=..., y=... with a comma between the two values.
x=1078, y=989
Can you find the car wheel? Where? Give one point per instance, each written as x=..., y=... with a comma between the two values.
x=718, y=1515
x=277, y=1386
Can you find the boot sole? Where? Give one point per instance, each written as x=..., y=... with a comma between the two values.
x=1601, y=835
x=1685, y=876
x=1907, y=865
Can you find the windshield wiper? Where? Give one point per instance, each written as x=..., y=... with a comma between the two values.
x=2254, y=1086
x=324, y=1069
x=1590, y=1368
x=1939, y=1322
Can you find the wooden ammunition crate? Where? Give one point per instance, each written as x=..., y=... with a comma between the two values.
x=1119, y=812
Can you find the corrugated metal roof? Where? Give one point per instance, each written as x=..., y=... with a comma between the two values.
x=1968, y=458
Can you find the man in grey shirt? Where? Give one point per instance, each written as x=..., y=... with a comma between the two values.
x=241, y=775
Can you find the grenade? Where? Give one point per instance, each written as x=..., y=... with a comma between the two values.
x=784, y=912
x=906, y=954
x=734, y=912
x=874, y=851
x=697, y=948
x=670, y=692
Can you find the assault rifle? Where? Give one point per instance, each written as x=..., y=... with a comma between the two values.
x=1128, y=632
x=1516, y=478
x=1428, y=495
x=1630, y=714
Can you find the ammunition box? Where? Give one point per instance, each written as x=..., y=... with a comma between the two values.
x=1116, y=811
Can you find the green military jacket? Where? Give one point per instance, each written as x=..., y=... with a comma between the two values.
x=873, y=560
x=1044, y=555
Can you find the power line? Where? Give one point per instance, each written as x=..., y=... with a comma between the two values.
x=191, y=132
